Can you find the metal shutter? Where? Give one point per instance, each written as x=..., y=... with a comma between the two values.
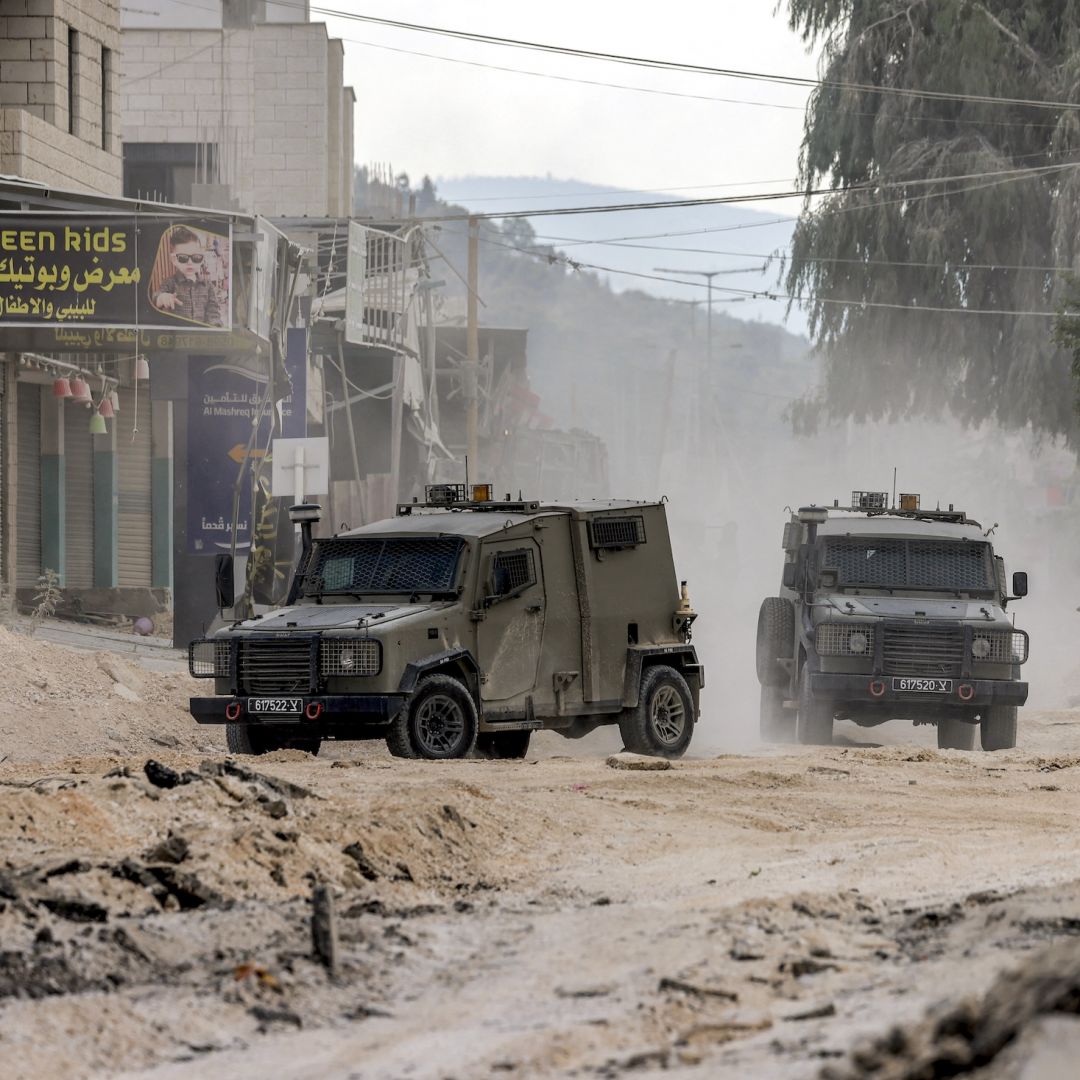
x=28, y=485
x=79, y=497
x=133, y=469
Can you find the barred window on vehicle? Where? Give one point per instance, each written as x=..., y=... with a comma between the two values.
x=383, y=565
x=948, y=565
x=512, y=572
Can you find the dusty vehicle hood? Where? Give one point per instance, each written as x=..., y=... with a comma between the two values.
x=314, y=617
x=910, y=607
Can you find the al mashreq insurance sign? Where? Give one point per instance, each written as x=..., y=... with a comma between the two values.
x=116, y=270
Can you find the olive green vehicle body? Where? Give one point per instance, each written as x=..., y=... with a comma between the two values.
x=565, y=650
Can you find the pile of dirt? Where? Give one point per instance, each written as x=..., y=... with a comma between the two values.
x=62, y=703
x=996, y=1036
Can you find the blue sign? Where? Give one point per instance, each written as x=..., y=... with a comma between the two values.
x=223, y=403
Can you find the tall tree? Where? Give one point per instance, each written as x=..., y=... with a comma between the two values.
x=990, y=243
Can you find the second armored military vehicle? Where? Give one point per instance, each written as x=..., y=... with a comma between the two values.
x=462, y=623
x=891, y=613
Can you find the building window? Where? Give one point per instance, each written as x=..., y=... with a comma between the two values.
x=106, y=96
x=73, y=77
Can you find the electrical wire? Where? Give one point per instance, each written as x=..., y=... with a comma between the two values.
x=693, y=97
x=680, y=66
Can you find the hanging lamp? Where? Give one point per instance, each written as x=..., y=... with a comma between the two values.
x=97, y=424
x=80, y=391
x=114, y=397
x=142, y=368
x=105, y=407
x=61, y=387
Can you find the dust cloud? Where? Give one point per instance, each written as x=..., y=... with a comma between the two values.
x=728, y=509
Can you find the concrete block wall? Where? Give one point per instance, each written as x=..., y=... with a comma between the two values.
x=263, y=96
x=35, y=64
x=32, y=148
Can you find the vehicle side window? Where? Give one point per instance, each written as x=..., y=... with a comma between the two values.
x=512, y=572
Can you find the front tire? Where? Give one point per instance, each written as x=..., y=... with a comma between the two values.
x=774, y=721
x=662, y=722
x=438, y=723
x=955, y=735
x=503, y=745
x=775, y=640
x=256, y=739
x=814, y=726
x=998, y=728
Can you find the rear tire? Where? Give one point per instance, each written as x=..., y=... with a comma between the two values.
x=438, y=723
x=662, y=722
x=955, y=735
x=998, y=728
x=814, y=725
x=255, y=739
x=503, y=745
x=775, y=723
x=775, y=639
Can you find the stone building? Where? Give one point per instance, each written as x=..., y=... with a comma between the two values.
x=58, y=93
x=228, y=105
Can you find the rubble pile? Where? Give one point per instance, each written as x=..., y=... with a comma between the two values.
x=62, y=703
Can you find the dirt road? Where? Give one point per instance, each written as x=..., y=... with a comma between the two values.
x=752, y=915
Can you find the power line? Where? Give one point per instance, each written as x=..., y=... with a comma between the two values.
x=683, y=94
x=682, y=66
x=768, y=294
x=1002, y=175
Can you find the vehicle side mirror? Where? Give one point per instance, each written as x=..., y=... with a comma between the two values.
x=1019, y=584
x=791, y=575
x=224, y=585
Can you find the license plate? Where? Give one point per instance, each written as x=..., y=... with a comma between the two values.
x=923, y=686
x=276, y=706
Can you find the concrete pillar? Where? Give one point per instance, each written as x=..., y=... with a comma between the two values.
x=161, y=494
x=53, y=516
x=106, y=511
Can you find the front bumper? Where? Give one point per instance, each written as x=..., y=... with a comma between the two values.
x=330, y=710
x=856, y=689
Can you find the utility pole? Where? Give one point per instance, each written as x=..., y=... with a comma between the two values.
x=708, y=275
x=472, y=367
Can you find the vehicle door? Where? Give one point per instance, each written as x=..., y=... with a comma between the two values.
x=511, y=614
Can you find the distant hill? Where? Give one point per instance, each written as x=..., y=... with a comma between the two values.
x=738, y=238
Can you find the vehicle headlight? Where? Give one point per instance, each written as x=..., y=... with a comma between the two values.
x=345, y=656
x=209, y=659
x=837, y=639
x=1000, y=646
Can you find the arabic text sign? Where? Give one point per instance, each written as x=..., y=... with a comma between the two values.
x=115, y=270
x=223, y=402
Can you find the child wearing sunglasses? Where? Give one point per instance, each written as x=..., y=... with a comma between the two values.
x=187, y=292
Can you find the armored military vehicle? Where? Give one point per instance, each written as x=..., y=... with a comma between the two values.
x=462, y=623
x=891, y=613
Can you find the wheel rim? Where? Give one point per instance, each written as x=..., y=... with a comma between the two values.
x=440, y=725
x=668, y=714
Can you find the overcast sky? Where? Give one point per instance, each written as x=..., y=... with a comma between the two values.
x=449, y=120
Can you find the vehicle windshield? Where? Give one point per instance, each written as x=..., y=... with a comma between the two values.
x=926, y=565
x=381, y=565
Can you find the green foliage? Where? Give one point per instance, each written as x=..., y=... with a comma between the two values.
x=884, y=237
x=47, y=596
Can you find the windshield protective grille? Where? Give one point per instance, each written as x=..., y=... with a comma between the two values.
x=392, y=565
x=911, y=564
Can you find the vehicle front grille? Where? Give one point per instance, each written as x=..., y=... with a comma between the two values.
x=275, y=667
x=923, y=650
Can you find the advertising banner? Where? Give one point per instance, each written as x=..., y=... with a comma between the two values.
x=223, y=401
x=122, y=271
x=355, y=272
